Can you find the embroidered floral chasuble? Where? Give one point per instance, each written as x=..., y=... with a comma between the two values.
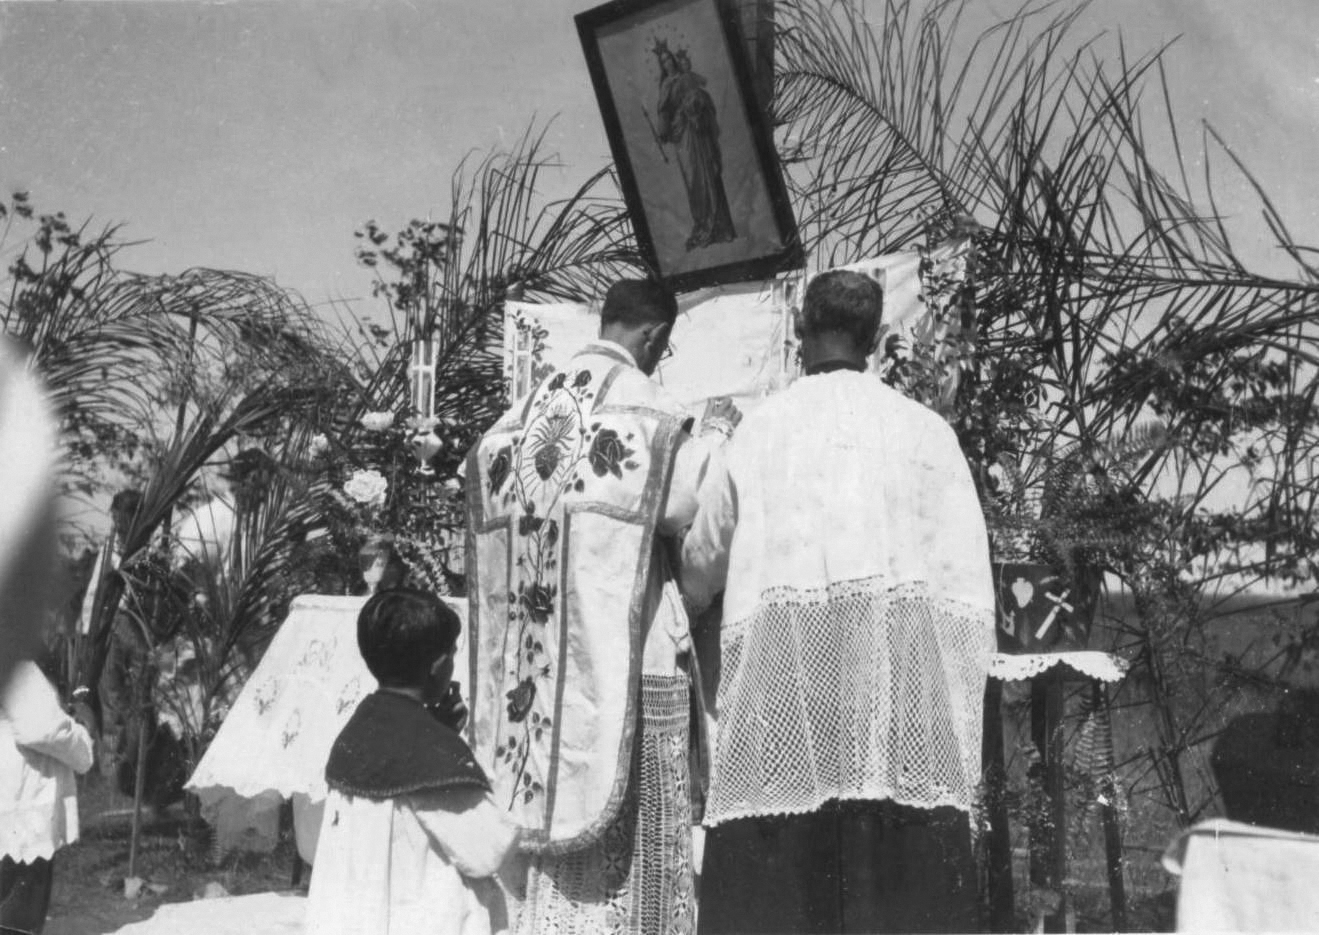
x=564, y=495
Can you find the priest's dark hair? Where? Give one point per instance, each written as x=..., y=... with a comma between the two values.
x=639, y=302
x=401, y=632
x=843, y=302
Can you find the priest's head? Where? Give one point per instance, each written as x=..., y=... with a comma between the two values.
x=839, y=318
x=639, y=314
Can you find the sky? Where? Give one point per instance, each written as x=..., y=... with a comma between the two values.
x=259, y=135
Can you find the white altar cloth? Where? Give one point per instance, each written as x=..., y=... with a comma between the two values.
x=1242, y=878
x=256, y=914
x=1106, y=667
x=274, y=743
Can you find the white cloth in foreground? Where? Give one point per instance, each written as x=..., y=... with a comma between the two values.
x=859, y=610
x=421, y=863
x=254, y=914
x=1242, y=878
x=41, y=748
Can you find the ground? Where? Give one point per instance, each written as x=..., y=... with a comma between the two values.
x=173, y=853
x=89, y=900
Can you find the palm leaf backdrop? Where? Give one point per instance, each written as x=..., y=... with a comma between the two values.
x=1097, y=267
x=1109, y=292
x=448, y=280
x=155, y=377
x=242, y=588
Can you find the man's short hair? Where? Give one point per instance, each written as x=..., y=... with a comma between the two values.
x=401, y=632
x=846, y=302
x=639, y=302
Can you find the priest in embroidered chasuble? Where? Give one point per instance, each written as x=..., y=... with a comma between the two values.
x=858, y=625
x=578, y=637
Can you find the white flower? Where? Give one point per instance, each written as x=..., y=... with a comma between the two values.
x=319, y=443
x=377, y=421
x=367, y=487
x=998, y=477
x=418, y=424
x=453, y=485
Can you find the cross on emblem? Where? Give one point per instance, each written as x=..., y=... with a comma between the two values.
x=1060, y=604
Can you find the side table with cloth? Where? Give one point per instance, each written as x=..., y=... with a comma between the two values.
x=275, y=740
x=1245, y=878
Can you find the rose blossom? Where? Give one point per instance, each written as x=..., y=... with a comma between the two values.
x=377, y=421
x=319, y=443
x=367, y=487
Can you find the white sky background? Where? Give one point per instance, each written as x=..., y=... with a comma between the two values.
x=259, y=135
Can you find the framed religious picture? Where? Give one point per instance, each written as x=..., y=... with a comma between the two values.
x=691, y=143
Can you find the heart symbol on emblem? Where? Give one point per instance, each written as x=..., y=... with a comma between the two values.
x=1023, y=591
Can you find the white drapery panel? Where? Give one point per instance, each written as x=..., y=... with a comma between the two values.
x=737, y=340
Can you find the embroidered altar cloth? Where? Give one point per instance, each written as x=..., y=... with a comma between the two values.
x=277, y=736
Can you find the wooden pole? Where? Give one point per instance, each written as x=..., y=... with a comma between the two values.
x=140, y=776
x=1002, y=913
x=1117, y=896
x=1048, y=845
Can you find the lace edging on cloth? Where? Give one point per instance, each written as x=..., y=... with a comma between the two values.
x=1096, y=665
x=861, y=689
x=928, y=804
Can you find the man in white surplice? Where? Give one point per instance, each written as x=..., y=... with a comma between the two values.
x=858, y=624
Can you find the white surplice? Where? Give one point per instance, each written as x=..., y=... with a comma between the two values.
x=41, y=748
x=858, y=614
x=419, y=863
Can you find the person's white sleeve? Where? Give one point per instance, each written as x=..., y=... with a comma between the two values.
x=692, y=463
x=469, y=828
x=705, y=547
x=38, y=722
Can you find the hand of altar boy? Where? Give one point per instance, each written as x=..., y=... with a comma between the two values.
x=450, y=709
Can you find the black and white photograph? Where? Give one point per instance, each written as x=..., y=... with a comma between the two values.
x=658, y=467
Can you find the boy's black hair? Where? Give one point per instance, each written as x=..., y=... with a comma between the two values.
x=401, y=632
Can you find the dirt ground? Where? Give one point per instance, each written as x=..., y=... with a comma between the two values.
x=176, y=863
x=174, y=860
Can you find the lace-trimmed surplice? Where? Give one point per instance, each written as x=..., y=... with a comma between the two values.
x=858, y=615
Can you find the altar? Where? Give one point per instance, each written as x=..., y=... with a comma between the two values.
x=274, y=743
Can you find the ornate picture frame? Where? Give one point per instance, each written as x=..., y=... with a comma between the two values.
x=690, y=140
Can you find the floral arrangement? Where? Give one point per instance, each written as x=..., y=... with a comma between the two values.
x=386, y=481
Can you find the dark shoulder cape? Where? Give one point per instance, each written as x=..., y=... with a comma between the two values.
x=391, y=746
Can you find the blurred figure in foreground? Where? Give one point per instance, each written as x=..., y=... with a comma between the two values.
x=28, y=459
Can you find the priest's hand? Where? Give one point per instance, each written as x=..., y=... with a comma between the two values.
x=721, y=416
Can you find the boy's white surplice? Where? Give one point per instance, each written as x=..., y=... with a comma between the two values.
x=858, y=616
x=41, y=748
x=421, y=863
